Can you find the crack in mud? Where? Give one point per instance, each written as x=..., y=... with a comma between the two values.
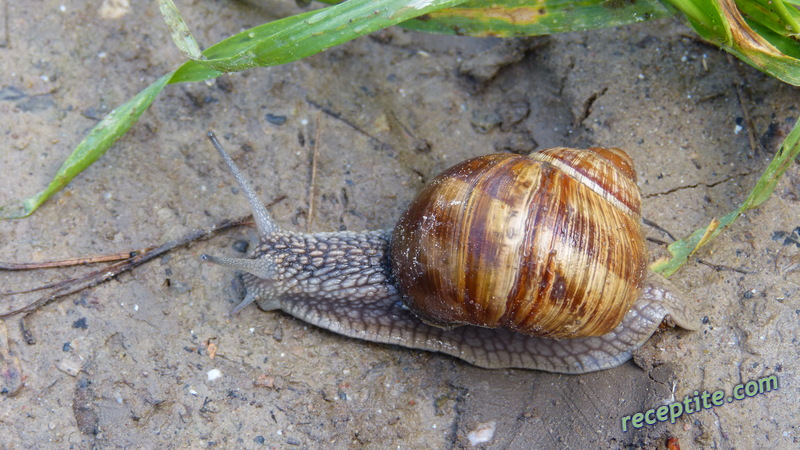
x=697, y=185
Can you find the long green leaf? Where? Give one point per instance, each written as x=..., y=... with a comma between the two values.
x=300, y=36
x=93, y=146
x=528, y=18
x=762, y=33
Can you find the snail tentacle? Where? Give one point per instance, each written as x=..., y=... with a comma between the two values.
x=262, y=269
x=263, y=220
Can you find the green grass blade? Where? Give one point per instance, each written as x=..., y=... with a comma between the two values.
x=224, y=54
x=179, y=30
x=682, y=249
x=775, y=15
x=780, y=163
x=761, y=33
x=307, y=34
x=705, y=17
x=94, y=145
x=527, y=18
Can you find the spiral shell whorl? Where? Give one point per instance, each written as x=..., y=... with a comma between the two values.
x=606, y=171
x=546, y=245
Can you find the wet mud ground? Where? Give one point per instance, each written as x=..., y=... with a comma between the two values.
x=128, y=363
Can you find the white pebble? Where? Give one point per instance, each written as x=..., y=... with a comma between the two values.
x=483, y=432
x=213, y=374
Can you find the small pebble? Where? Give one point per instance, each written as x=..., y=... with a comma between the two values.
x=69, y=367
x=483, y=432
x=276, y=120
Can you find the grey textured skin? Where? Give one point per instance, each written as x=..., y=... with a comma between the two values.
x=342, y=282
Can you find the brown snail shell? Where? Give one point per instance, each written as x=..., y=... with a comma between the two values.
x=547, y=245
x=578, y=228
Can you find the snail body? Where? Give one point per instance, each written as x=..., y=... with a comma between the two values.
x=504, y=260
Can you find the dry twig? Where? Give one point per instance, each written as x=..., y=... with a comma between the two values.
x=91, y=279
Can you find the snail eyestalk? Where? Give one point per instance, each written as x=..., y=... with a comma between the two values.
x=263, y=220
x=262, y=268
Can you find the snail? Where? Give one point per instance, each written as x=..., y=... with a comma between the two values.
x=504, y=260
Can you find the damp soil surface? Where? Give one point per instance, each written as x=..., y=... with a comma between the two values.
x=343, y=141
